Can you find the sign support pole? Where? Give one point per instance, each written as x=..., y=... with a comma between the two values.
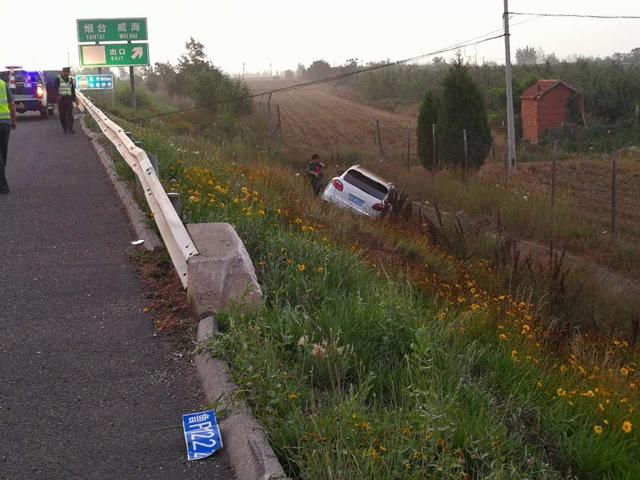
x=132, y=80
x=134, y=102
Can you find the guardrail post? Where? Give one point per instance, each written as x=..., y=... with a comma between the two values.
x=154, y=162
x=174, y=197
x=139, y=188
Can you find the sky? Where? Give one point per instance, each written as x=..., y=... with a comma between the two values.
x=276, y=35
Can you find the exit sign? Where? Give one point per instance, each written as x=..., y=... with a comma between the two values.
x=112, y=30
x=114, y=55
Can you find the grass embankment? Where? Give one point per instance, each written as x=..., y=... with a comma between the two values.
x=417, y=369
x=518, y=209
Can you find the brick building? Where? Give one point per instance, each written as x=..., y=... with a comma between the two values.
x=545, y=105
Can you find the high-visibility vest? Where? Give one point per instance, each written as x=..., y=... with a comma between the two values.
x=5, y=113
x=64, y=90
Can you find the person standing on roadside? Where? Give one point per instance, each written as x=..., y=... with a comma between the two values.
x=66, y=98
x=315, y=172
x=7, y=123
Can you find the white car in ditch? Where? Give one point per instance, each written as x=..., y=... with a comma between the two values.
x=359, y=190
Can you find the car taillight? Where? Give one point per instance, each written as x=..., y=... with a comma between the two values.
x=40, y=91
x=337, y=184
x=379, y=207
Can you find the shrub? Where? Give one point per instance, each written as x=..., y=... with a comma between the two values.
x=427, y=118
x=122, y=96
x=463, y=109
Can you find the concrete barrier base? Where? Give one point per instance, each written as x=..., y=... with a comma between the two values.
x=222, y=274
x=244, y=439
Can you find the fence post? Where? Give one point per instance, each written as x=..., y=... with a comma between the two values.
x=614, y=194
x=436, y=161
x=554, y=166
x=408, y=150
x=506, y=168
x=379, y=140
x=466, y=151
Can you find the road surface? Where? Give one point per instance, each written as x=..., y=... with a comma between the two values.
x=87, y=391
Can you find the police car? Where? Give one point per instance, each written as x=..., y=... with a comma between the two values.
x=29, y=90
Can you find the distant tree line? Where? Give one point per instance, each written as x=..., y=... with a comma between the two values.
x=611, y=85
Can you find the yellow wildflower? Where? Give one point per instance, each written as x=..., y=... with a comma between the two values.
x=293, y=396
x=627, y=426
x=561, y=392
x=597, y=429
x=301, y=267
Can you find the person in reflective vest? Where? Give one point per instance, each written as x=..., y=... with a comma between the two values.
x=66, y=98
x=7, y=123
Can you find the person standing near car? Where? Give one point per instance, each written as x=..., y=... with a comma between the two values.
x=315, y=171
x=66, y=98
x=7, y=123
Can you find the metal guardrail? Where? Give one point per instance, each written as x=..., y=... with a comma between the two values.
x=175, y=236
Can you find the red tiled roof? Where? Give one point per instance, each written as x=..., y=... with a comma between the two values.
x=542, y=87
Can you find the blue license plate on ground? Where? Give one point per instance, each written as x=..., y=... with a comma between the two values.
x=355, y=200
x=202, y=434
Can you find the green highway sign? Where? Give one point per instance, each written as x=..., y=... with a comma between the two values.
x=114, y=55
x=112, y=30
x=100, y=81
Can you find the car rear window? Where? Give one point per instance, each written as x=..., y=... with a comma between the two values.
x=366, y=184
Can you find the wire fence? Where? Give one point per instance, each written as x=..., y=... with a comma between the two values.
x=270, y=113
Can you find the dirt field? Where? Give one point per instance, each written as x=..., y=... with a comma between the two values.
x=587, y=183
x=318, y=119
x=315, y=119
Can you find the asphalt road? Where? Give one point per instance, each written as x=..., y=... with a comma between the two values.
x=87, y=391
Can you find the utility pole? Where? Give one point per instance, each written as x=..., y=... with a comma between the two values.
x=511, y=132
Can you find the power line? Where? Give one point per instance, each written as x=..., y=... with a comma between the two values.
x=576, y=15
x=333, y=78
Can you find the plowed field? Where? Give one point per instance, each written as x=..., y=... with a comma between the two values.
x=314, y=119
x=587, y=185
